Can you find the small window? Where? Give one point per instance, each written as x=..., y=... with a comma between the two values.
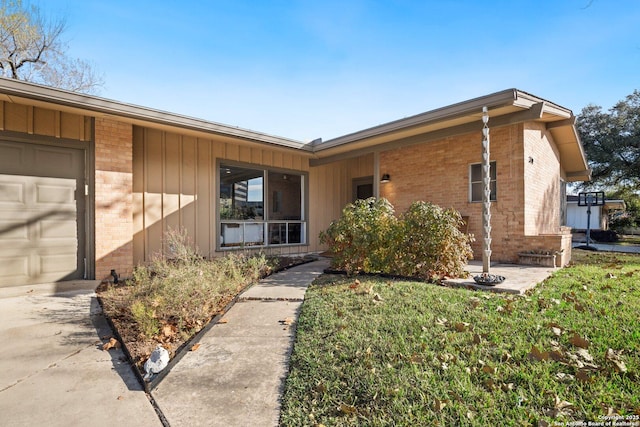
x=475, y=182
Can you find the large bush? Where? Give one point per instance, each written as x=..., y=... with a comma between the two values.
x=425, y=241
x=359, y=240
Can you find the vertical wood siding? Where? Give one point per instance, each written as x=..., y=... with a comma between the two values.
x=41, y=121
x=330, y=188
x=175, y=183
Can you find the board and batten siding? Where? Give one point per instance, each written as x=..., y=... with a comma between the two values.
x=32, y=120
x=331, y=188
x=175, y=185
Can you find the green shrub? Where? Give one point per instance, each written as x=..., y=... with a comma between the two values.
x=359, y=239
x=431, y=244
x=424, y=242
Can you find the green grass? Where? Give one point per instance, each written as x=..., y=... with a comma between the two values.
x=628, y=239
x=385, y=352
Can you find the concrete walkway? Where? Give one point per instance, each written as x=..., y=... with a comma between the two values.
x=607, y=247
x=236, y=376
x=518, y=278
x=53, y=370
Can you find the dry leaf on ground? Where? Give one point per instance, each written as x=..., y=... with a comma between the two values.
x=195, y=346
x=112, y=343
x=348, y=409
x=614, y=358
x=578, y=341
x=538, y=355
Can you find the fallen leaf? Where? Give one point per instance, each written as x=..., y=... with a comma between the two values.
x=475, y=302
x=563, y=407
x=507, y=387
x=29, y=291
x=562, y=377
x=488, y=369
x=477, y=339
x=288, y=321
x=461, y=326
x=321, y=388
x=416, y=358
x=438, y=405
x=506, y=356
x=489, y=384
x=112, y=343
x=537, y=354
x=583, y=375
x=377, y=297
x=195, y=346
x=578, y=341
x=169, y=330
x=557, y=356
x=120, y=397
x=441, y=321
x=610, y=276
x=585, y=355
x=614, y=358
x=579, y=307
x=222, y=320
x=348, y=409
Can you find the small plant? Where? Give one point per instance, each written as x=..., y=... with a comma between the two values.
x=178, y=292
x=146, y=319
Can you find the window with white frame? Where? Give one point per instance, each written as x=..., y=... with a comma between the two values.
x=260, y=207
x=476, y=186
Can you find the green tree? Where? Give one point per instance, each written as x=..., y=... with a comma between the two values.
x=32, y=49
x=631, y=216
x=612, y=143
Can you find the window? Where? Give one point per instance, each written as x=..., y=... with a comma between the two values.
x=260, y=207
x=475, y=182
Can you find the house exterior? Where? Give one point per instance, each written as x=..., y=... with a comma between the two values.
x=578, y=219
x=89, y=185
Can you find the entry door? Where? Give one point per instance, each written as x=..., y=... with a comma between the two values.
x=41, y=213
x=362, y=188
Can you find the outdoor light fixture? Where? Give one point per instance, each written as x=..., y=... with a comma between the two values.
x=385, y=178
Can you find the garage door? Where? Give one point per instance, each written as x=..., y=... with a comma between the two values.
x=41, y=213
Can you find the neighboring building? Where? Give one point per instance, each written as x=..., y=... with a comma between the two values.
x=577, y=217
x=89, y=185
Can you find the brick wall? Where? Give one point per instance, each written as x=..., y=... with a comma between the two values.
x=542, y=181
x=526, y=205
x=113, y=198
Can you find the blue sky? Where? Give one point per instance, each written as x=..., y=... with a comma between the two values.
x=311, y=69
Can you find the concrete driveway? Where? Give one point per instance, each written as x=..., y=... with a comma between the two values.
x=53, y=370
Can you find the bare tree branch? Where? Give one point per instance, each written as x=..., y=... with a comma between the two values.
x=32, y=49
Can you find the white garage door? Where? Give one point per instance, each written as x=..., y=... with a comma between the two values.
x=41, y=213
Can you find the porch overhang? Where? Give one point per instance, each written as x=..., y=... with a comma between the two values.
x=507, y=107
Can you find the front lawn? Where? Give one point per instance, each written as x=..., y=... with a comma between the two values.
x=376, y=351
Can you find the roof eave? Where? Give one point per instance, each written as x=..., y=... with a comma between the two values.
x=97, y=106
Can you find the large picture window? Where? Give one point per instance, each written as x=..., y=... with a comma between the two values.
x=475, y=182
x=259, y=207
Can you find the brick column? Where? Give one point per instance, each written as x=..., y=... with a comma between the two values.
x=113, y=198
